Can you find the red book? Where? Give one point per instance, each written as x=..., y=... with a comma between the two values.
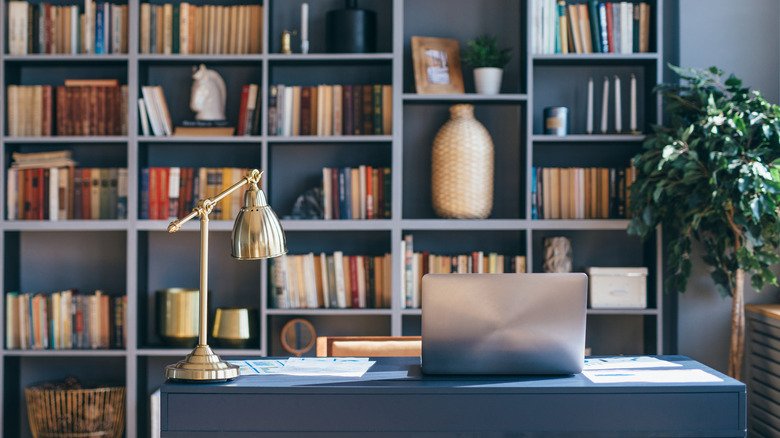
x=347, y=109
x=101, y=106
x=306, y=111
x=242, y=110
x=61, y=110
x=38, y=183
x=162, y=205
x=334, y=186
x=154, y=193
x=353, y=275
x=610, y=33
x=28, y=194
x=369, y=193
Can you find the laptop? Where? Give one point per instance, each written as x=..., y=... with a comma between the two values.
x=503, y=323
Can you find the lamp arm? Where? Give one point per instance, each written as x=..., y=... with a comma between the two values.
x=205, y=205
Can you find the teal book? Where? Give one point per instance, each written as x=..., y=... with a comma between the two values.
x=175, y=29
x=595, y=32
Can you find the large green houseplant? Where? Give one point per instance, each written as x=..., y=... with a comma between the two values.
x=711, y=174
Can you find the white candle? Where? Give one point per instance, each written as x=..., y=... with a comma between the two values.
x=604, y=105
x=633, y=104
x=305, y=28
x=589, y=123
x=618, y=120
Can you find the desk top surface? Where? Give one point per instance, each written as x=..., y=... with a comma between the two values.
x=404, y=375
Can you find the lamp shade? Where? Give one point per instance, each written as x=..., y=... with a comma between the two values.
x=257, y=232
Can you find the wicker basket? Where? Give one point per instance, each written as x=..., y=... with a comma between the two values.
x=98, y=412
x=462, y=167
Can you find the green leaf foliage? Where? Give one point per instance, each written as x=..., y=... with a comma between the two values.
x=712, y=173
x=483, y=51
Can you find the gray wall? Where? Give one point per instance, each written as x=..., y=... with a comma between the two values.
x=740, y=37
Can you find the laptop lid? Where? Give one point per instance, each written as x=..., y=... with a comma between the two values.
x=503, y=323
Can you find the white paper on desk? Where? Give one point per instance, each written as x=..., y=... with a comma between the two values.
x=650, y=376
x=326, y=366
x=257, y=367
x=626, y=362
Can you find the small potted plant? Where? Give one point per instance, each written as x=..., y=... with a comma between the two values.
x=488, y=61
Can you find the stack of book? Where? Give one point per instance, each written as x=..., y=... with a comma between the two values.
x=154, y=112
x=97, y=28
x=201, y=29
x=580, y=193
x=327, y=110
x=591, y=27
x=64, y=320
x=330, y=281
x=362, y=192
x=417, y=264
x=47, y=186
x=172, y=192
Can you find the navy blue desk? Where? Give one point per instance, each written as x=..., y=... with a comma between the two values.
x=394, y=399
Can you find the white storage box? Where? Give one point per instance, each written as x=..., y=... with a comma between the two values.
x=623, y=288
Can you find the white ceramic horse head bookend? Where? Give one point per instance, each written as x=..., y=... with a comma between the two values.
x=208, y=94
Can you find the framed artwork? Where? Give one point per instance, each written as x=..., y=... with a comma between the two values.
x=436, y=65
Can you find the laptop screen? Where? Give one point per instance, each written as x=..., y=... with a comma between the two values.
x=503, y=323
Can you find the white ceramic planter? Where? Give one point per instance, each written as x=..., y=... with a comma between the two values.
x=487, y=80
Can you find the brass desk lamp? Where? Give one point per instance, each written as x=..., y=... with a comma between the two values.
x=257, y=234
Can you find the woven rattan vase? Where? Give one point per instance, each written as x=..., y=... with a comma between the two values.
x=462, y=167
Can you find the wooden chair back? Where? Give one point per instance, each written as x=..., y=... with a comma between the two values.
x=368, y=346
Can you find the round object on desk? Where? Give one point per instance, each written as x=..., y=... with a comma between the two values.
x=298, y=336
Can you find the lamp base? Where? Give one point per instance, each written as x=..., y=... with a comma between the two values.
x=202, y=365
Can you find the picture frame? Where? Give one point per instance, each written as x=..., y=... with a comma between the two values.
x=437, y=66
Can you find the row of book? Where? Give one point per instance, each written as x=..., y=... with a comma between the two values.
x=201, y=29
x=172, y=192
x=330, y=281
x=415, y=264
x=327, y=110
x=81, y=109
x=64, y=320
x=95, y=28
x=591, y=27
x=64, y=193
x=580, y=193
x=362, y=192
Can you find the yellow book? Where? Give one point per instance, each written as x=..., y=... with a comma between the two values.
x=145, y=30
x=256, y=29
x=167, y=28
x=233, y=39
x=566, y=212
x=555, y=193
x=574, y=21
x=356, y=200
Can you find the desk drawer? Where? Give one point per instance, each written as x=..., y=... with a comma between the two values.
x=684, y=414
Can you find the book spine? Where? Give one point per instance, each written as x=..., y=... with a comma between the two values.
x=377, y=128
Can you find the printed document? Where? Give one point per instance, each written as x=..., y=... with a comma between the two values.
x=626, y=362
x=650, y=376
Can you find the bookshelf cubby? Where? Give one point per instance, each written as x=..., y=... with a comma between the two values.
x=138, y=257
